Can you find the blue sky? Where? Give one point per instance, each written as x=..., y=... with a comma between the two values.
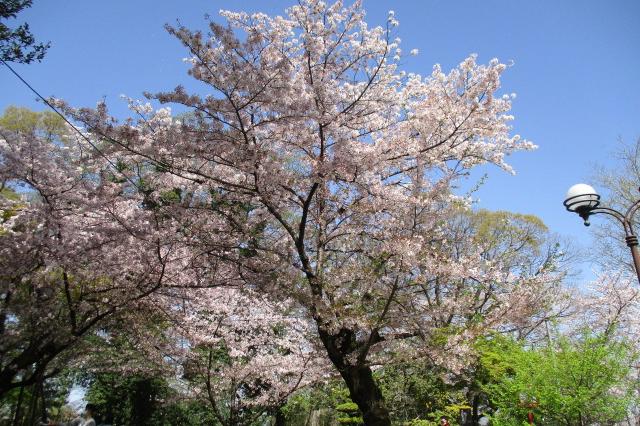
x=576, y=72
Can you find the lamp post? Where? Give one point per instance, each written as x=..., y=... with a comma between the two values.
x=585, y=201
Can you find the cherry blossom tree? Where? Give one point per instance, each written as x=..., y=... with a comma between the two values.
x=245, y=355
x=521, y=244
x=610, y=306
x=50, y=297
x=619, y=186
x=325, y=174
x=233, y=350
x=78, y=247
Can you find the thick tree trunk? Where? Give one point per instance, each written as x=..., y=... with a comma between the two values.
x=365, y=392
x=279, y=419
x=40, y=355
x=363, y=389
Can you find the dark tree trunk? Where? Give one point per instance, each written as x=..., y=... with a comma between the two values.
x=43, y=400
x=18, y=407
x=365, y=392
x=475, y=417
x=279, y=418
x=33, y=408
x=363, y=389
x=143, y=401
x=40, y=355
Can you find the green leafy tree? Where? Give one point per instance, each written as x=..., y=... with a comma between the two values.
x=18, y=44
x=316, y=404
x=143, y=400
x=29, y=404
x=417, y=391
x=46, y=124
x=519, y=243
x=566, y=383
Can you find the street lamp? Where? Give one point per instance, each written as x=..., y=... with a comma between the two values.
x=585, y=201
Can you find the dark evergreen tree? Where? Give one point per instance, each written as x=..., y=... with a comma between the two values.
x=18, y=44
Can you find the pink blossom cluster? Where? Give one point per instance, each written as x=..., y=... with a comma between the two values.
x=309, y=189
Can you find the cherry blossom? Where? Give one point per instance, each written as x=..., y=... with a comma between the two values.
x=313, y=171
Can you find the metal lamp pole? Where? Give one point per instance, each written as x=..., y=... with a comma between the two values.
x=585, y=201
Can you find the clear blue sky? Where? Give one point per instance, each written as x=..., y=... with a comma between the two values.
x=576, y=72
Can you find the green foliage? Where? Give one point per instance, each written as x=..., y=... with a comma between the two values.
x=450, y=411
x=9, y=212
x=416, y=392
x=512, y=235
x=140, y=400
x=9, y=194
x=420, y=422
x=18, y=44
x=347, y=407
x=352, y=412
x=570, y=382
x=29, y=404
x=355, y=420
x=171, y=197
x=23, y=120
x=319, y=399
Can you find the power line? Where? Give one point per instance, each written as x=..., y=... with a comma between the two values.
x=68, y=122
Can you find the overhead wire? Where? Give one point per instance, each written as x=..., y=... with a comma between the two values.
x=102, y=154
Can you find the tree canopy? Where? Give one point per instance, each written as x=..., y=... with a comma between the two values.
x=565, y=383
x=299, y=224
x=18, y=44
